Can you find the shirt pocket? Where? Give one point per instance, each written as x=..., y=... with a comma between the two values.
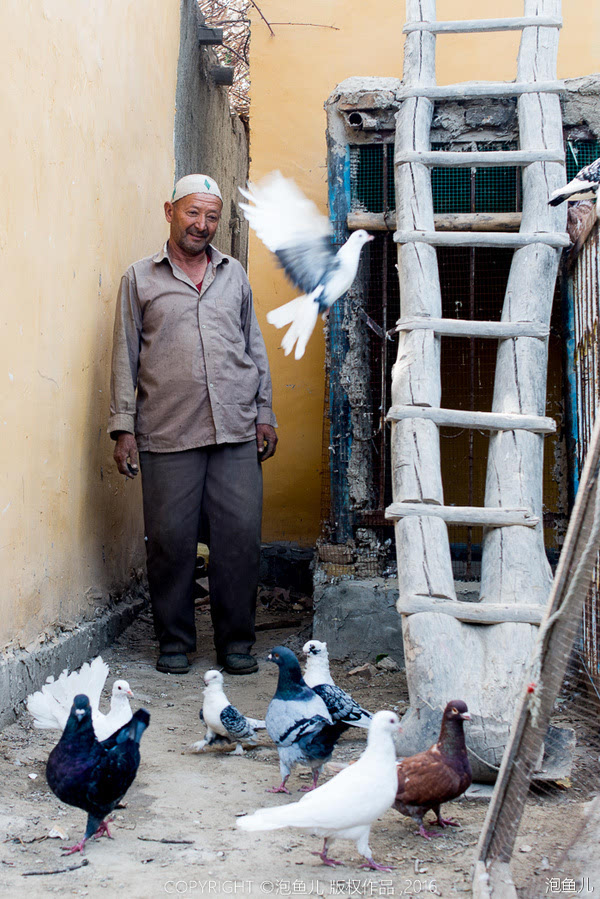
x=229, y=321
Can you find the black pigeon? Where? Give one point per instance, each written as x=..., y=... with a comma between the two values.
x=584, y=186
x=439, y=774
x=90, y=775
x=298, y=721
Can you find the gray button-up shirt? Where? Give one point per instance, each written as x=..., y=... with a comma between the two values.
x=196, y=358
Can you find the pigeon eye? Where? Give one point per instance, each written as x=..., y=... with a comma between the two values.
x=455, y=711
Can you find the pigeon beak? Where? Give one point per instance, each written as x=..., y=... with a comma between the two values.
x=79, y=713
x=465, y=716
x=130, y=693
x=370, y=237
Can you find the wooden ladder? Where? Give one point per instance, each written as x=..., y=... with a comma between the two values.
x=448, y=654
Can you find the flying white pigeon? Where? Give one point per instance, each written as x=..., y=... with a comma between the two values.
x=340, y=705
x=291, y=226
x=346, y=806
x=584, y=186
x=51, y=706
x=224, y=724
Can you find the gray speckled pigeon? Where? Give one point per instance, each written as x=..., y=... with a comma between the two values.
x=340, y=705
x=584, y=185
x=224, y=724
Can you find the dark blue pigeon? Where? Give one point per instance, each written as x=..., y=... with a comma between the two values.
x=298, y=721
x=90, y=775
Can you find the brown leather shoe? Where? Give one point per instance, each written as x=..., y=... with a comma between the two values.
x=238, y=663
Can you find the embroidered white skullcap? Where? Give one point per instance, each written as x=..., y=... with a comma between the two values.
x=195, y=184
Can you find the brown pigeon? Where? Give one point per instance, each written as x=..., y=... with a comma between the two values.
x=439, y=774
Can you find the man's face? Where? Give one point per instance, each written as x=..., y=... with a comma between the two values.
x=193, y=221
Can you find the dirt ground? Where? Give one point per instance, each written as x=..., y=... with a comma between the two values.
x=177, y=834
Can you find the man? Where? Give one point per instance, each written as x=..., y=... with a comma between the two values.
x=187, y=342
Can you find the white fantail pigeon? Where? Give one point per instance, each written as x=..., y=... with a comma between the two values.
x=584, y=186
x=291, y=226
x=50, y=707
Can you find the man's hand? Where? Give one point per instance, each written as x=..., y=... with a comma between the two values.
x=126, y=454
x=266, y=439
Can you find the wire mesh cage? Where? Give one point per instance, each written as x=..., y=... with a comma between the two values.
x=545, y=817
x=473, y=284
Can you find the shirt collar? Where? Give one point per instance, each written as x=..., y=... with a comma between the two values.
x=215, y=256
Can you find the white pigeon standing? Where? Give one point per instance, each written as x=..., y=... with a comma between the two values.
x=317, y=664
x=291, y=226
x=340, y=705
x=224, y=724
x=584, y=186
x=50, y=707
x=347, y=805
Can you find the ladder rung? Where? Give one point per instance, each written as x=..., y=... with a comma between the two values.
x=483, y=238
x=470, y=158
x=470, y=89
x=466, y=515
x=474, y=612
x=443, y=221
x=476, y=26
x=456, y=327
x=485, y=421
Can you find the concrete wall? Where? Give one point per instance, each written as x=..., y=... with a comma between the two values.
x=87, y=158
x=293, y=73
x=86, y=163
x=207, y=137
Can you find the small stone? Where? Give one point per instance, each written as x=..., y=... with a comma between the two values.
x=58, y=833
x=388, y=664
x=32, y=776
x=367, y=670
x=525, y=848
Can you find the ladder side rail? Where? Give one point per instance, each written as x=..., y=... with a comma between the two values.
x=422, y=547
x=514, y=564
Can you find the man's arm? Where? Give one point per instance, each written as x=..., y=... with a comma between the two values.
x=266, y=436
x=123, y=381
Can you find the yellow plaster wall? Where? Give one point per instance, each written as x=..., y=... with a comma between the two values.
x=293, y=72
x=86, y=160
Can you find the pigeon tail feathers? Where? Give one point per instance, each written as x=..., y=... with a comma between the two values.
x=302, y=314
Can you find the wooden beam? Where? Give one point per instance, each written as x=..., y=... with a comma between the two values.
x=222, y=74
x=465, y=515
x=476, y=26
x=482, y=239
x=470, y=159
x=467, y=90
x=485, y=421
x=473, y=612
x=444, y=221
x=208, y=35
x=456, y=327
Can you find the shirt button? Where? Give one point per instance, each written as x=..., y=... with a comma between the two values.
x=210, y=385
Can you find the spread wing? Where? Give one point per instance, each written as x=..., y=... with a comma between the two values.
x=291, y=226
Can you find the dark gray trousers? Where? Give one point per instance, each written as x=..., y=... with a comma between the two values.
x=213, y=494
